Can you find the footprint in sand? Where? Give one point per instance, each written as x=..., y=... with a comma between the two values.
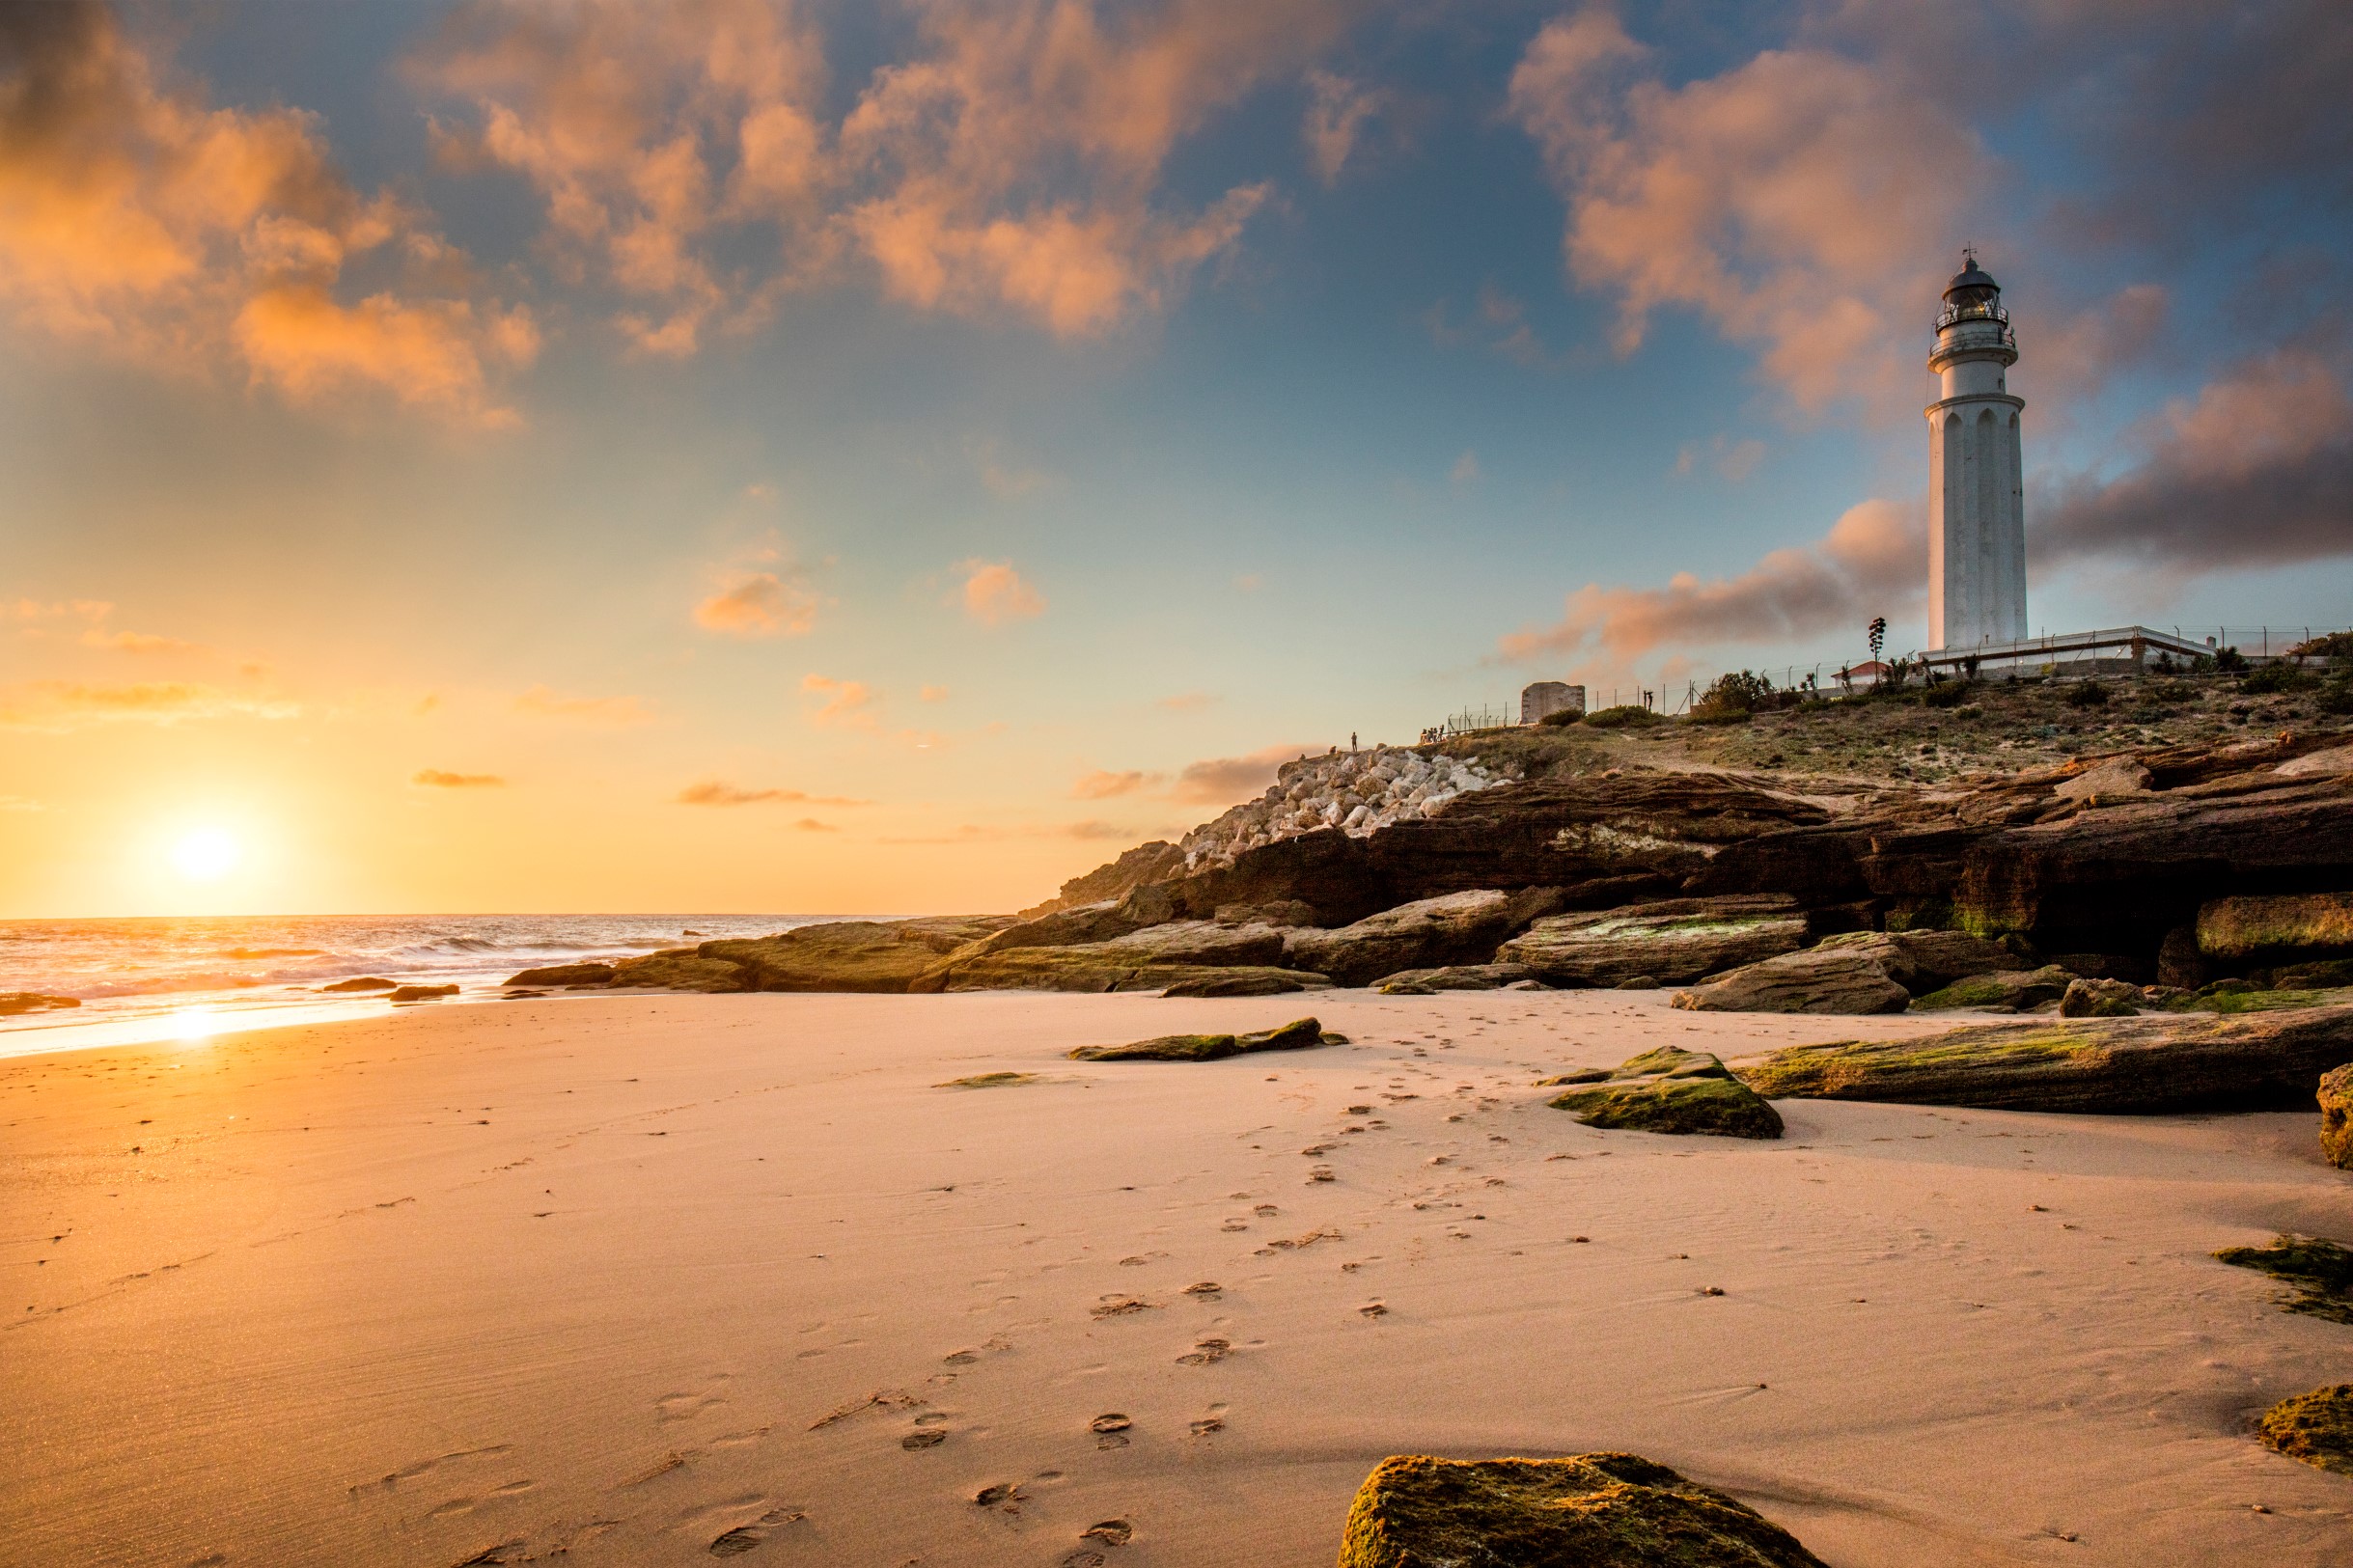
x=744, y=1537
x=1005, y=1495
x=1109, y=1531
x=1116, y=1306
x=1207, y=1351
x=929, y=1436
x=1110, y=1430
x=1203, y=1287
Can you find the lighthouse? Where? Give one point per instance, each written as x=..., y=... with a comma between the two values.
x=1977, y=513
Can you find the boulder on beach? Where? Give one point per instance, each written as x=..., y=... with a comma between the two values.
x=1299, y=1035
x=1924, y=961
x=1822, y=979
x=2318, y=1272
x=1673, y=1090
x=589, y=974
x=1456, y=928
x=680, y=968
x=852, y=955
x=1423, y=983
x=2337, y=1117
x=367, y=982
x=2315, y=1427
x=2156, y=1062
x=1060, y=929
x=1672, y=942
x=1247, y=981
x=420, y=993
x=2013, y=990
x=12, y=1002
x=2100, y=998
x=1597, y=1510
x=1095, y=967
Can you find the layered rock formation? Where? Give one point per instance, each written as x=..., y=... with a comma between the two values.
x=1358, y=793
x=1599, y=1510
x=2151, y=1063
x=1455, y=929
x=1670, y=942
x=2337, y=1117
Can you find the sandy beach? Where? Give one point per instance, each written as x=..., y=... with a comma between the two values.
x=602, y=1280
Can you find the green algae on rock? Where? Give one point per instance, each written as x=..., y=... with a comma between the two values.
x=1670, y=1090
x=679, y=969
x=991, y=1080
x=1600, y=1510
x=2016, y=988
x=2154, y=1063
x=1299, y=1035
x=2320, y=1271
x=2315, y=1427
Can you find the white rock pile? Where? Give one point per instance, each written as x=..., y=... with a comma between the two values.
x=1356, y=792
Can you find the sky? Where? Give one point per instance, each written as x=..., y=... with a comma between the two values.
x=886, y=457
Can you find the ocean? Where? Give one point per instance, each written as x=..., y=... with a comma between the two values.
x=140, y=980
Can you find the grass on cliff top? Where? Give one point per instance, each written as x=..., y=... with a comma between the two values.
x=1990, y=727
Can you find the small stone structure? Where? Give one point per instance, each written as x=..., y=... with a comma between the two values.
x=1546, y=697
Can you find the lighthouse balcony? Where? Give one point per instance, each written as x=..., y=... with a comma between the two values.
x=1981, y=323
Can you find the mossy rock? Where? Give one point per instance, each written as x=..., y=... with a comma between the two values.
x=2155, y=1064
x=681, y=969
x=1670, y=1090
x=2315, y=1427
x=2005, y=988
x=1601, y=1510
x=991, y=1080
x=2335, y=1098
x=1247, y=981
x=2320, y=1271
x=1299, y=1035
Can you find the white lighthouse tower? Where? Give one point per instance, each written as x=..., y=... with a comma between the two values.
x=1977, y=513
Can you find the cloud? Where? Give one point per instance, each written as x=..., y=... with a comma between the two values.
x=436, y=779
x=1733, y=460
x=1873, y=559
x=931, y=693
x=130, y=642
x=994, y=593
x=1105, y=786
x=712, y=792
x=17, y=803
x=2254, y=471
x=1800, y=201
x=1221, y=781
x=1011, y=161
x=1186, y=701
x=60, y=705
x=848, y=706
x=136, y=216
x=761, y=604
x=974, y=833
x=613, y=710
x=1466, y=471
x=1336, y=114
x=810, y=824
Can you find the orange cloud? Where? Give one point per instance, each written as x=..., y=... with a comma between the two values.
x=1801, y=201
x=59, y=704
x=1186, y=702
x=848, y=704
x=436, y=779
x=1105, y=786
x=129, y=642
x=994, y=593
x=931, y=693
x=613, y=711
x=761, y=604
x=1873, y=559
x=1221, y=781
x=135, y=215
x=663, y=138
x=712, y=792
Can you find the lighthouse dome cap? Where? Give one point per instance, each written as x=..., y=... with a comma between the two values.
x=1972, y=278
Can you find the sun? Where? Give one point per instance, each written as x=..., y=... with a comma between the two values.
x=205, y=855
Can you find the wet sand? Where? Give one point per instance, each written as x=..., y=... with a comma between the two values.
x=602, y=1280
